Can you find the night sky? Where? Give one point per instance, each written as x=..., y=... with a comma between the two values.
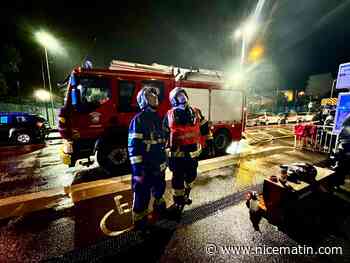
x=301, y=37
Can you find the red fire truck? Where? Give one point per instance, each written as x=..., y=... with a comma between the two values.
x=100, y=103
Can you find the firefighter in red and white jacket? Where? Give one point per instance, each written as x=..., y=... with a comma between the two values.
x=187, y=133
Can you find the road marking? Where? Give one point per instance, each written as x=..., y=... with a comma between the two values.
x=121, y=209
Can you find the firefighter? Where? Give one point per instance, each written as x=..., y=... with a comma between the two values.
x=187, y=132
x=146, y=147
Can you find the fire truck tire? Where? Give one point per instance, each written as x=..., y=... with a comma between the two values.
x=221, y=141
x=112, y=159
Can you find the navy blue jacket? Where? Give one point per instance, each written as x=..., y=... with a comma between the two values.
x=146, y=142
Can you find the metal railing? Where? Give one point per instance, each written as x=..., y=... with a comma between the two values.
x=313, y=137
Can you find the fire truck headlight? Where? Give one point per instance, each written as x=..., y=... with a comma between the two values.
x=62, y=120
x=67, y=147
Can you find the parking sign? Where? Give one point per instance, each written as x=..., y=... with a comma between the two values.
x=343, y=111
x=343, y=79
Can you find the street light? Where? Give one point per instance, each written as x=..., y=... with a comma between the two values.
x=44, y=96
x=245, y=34
x=49, y=43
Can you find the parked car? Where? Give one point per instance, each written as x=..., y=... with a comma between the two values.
x=289, y=117
x=293, y=117
x=268, y=118
x=22, y=128
x=282, y=118
x=252, y=119
x=306, y=116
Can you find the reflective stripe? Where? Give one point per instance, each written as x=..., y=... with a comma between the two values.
x=159, y=201
x=209, y=136
x=135, y=136
x=188, y=135
x=179, y=192
x=136, y=159
x=188, y=185
x=160, y=140
x=139, y=216
x=163, y=166
x=179, y=154
x=152, y=141
x=196, y=153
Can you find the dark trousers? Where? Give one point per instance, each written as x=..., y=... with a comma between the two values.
x=154, y=182
x=184, y=170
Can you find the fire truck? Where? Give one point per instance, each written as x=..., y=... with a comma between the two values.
x=100, y=104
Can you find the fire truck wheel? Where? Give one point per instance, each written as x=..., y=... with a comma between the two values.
x=221, y=141
x=112, y=159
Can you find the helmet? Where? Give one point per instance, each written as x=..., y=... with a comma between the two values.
x=301, y=172
x=143, y=96
x=173, y=94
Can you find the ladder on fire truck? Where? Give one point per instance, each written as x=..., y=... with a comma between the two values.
x=198, y=74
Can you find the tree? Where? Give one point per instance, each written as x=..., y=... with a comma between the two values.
x=9, y=69
x=319, y=85
x=281, y=102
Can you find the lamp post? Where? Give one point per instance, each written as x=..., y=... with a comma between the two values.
x=44, y=96
x=245, y=33
x=333, y=83
x=49, y=43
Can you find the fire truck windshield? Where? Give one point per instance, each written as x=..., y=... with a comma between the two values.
x=91, y=92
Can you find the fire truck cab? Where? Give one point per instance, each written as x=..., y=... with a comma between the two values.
x=100, y=104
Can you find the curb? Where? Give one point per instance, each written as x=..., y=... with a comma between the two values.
x=27, y=203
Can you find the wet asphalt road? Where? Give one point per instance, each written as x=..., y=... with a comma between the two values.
x=33, y=168
x=49, y=234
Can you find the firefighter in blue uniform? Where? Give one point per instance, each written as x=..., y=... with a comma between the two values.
x=187, y=132
x=146, y=147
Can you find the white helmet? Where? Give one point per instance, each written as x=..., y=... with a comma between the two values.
x=173, y=96
x=143, y=95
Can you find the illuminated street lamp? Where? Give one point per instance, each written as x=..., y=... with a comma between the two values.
x=49, y=43
x=44, y=96
x=238, y=34
x=245, y=34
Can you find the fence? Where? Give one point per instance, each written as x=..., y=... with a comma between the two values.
x=315, y=137
x=34, y=108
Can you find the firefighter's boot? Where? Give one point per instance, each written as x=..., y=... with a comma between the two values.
x=141, y=222
x=175, y=211
x=187, y=199
x=159, y=207
x=142, y=225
